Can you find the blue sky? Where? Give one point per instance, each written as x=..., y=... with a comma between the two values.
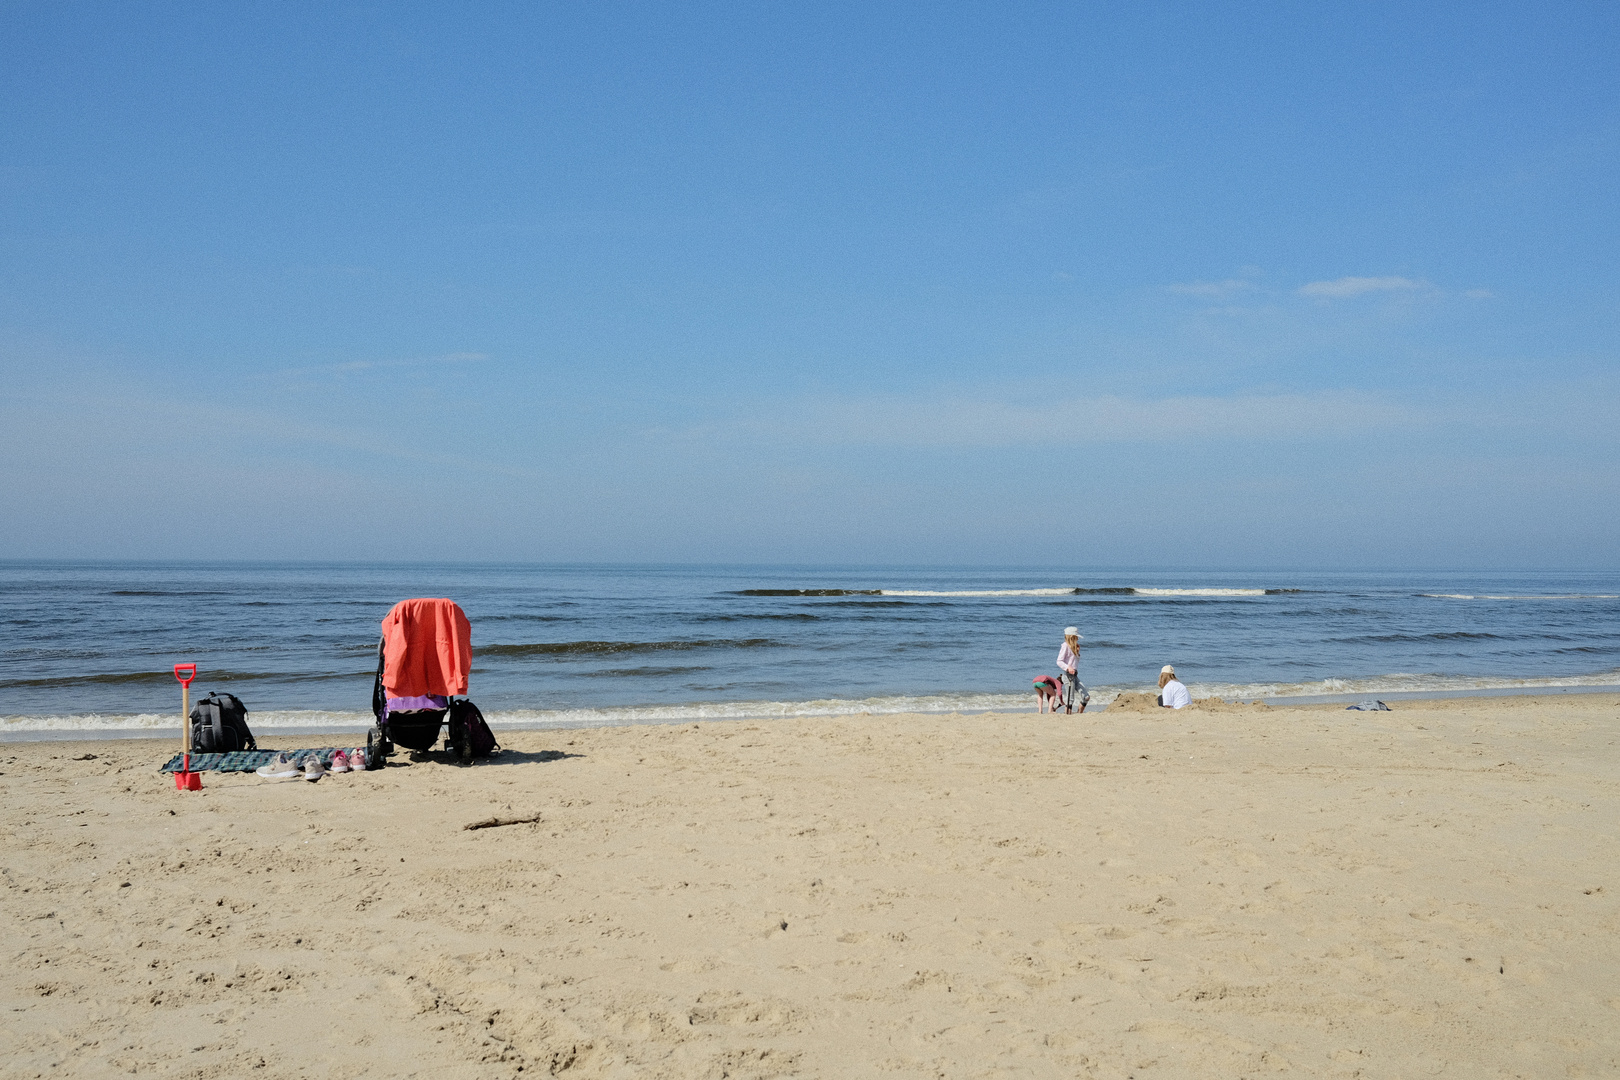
x=1095, y=285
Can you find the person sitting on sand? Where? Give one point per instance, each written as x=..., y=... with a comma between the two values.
x=1068, y=662
x=1172, y=694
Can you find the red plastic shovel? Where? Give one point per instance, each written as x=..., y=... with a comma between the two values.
x=185, y=779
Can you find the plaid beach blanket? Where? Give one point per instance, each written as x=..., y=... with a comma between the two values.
x=246, y=760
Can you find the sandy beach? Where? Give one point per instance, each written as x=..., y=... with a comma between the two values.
x=1232, y=892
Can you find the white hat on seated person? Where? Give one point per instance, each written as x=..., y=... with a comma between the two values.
x=1167, y=670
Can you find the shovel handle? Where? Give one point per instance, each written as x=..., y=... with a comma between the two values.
x=190, y=673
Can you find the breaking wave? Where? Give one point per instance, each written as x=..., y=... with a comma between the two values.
x=978, y=592
x=1206, y=592
x=808, y=592
x=1065, y=591
x=204, y=678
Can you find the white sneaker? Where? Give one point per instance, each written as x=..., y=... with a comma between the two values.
x=281, y=768
x=313, y=769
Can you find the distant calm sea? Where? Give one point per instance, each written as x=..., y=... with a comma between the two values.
x=90, y=646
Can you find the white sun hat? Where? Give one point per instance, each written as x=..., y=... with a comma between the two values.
x=1072, y=631
x=1167, y=670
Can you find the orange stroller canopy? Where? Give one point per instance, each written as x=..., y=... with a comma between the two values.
x=427, y=649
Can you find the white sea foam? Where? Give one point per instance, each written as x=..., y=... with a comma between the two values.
x=1393, y=684
x=271, y=721
x=162, y=724
x=743, y=710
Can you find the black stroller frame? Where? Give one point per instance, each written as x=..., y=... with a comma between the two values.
x=414, y=729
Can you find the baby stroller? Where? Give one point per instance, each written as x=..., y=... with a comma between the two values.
x=422, y=663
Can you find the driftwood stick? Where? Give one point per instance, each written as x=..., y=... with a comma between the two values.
x=497, y=822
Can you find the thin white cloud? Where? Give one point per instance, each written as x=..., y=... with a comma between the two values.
x=1070, y=421
x=1344, y=287
x=159, y=428
x=1212, y=288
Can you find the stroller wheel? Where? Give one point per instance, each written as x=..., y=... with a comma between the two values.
x=377, y=748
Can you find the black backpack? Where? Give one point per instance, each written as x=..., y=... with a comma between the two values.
x=471, y=732
x=219, y=725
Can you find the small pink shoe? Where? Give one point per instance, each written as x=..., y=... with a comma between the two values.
x=357, y=759
x=340, y=762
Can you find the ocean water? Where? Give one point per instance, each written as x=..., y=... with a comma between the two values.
x=90, y=647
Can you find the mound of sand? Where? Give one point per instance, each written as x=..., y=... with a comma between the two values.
x=1134, y=701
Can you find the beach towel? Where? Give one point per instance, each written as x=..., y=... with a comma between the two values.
x=246, y=760
x=427, y=649
x=1368, y=706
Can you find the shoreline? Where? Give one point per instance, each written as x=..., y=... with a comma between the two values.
x=360, y=727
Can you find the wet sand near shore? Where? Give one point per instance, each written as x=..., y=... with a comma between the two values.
x=1221, y=891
